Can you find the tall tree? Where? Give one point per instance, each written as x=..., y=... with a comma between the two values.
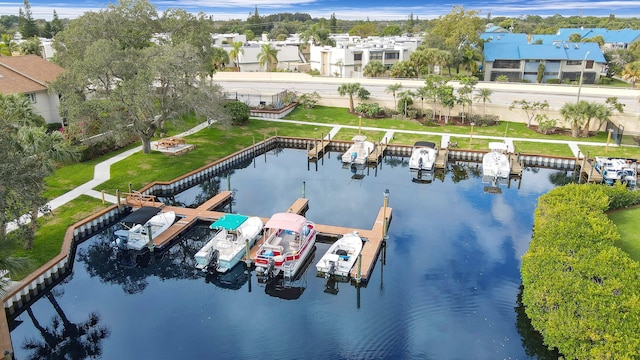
x=235, y=52
x=115, y=77
x=531, y=109
x=27, y=25
x=268, y=57
x=460, y=28
x=374, y=68
x=484, y=96
x=393, y=89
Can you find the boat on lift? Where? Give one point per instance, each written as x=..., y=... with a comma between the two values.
x=423, y=156
x=143, y=226
x=495, y=164
x=340, y=257
x=358, y=151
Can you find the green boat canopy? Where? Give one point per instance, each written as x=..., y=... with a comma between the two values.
x=229, y=222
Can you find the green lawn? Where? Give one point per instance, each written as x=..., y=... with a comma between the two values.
x=629, y=228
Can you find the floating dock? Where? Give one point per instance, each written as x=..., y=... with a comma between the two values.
x=374, y=237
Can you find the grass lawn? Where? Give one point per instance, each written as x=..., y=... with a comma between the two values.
x=530, y=147
x=50, y=234
x=612, y=151
x=629, y=229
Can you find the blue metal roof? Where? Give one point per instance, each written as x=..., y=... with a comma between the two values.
x=563, y=51
x=610, y=36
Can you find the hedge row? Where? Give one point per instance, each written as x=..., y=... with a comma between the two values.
x=580, y=291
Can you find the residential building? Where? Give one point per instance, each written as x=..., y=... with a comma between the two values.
x=30, y=75
x=351, y=54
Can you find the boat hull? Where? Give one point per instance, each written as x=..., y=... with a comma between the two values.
x=340, y=257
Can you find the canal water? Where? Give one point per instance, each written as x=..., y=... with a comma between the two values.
x=447, y=288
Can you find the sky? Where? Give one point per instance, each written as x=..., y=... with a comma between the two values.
x=344, y=10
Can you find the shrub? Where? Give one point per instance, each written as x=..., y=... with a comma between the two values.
x=545, y=124
x=553, y=81
x=370, y=110
x=309, y=101
x=238, y=111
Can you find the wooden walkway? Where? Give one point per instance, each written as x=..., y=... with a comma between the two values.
x=377, y=153
x=318, y=150
x=588, y=172
x=374, y=237
x=516, y=167
x=441, y=159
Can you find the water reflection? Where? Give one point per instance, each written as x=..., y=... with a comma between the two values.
x=64, y=339
x=449, y=275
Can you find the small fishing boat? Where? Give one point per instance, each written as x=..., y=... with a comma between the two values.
x=288, y=241
x=617, y=170
x=423, y=156
x=142, y=226
x=225, y=249
x=358, y=151
x=340, y=257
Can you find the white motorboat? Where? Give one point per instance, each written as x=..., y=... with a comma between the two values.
x=617, y=170
x=495, y=163
x=287, y=242
x=423, y=156
x=227, y=247
x=142, y=231
x=358, y=151
x=340, y=257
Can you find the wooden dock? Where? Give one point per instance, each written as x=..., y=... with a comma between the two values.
x=373, y=237
x=441, y=159
x=318, y=150
x=589, y=173
x=516, y=166
x=377, y=153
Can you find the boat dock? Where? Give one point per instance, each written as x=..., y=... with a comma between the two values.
x=516, y=166
x=371, y=248
x=589, y=173
x=318, y=150
x=441, y=159
x=378, y=151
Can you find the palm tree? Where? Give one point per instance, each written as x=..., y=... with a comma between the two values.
x=46, y=150
x=268, y=57
x=393, y=89
x=374, y=69
x=631, y=73
x=574, y=115
x=349, y=89
x=484, y=95
x=7, y=46
x=423, y=93
x=219, y=58
x=234, y=53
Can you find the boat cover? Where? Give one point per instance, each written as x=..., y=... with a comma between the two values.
x=286, y=221
x=141, y=215
x=428, y=144
x=229, y=222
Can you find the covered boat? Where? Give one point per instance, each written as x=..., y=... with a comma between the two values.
x=142, y=226
x=617, y=170
x=495, y=163
x=234, y=233
x=358, y=151
x=287, y=242
x=423, y=156
x=340, y=257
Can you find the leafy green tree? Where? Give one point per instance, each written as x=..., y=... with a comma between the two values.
x=575, y=37
x=433, y=84
x=30, y=47
x=460, y=28
x=405, y=102
x=447, y=99
x=392, y=30
x=268, y=57
x=309, y=101
x=116, y=78
x=7, y=46
x=529, y=108
x=363, y=29
x=349, y=89
x=219, y=58
x=374, y=68
x=575, y=114
x=631, y=73
x=403, y=69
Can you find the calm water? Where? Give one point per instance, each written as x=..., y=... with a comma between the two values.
x=447, y=290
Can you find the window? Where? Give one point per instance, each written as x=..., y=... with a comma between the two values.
x=391, y=56
x=506, y=64
x=31, y=97
x=574, y=62
x=357, y=56
x=376, y=56
x=589, y=64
